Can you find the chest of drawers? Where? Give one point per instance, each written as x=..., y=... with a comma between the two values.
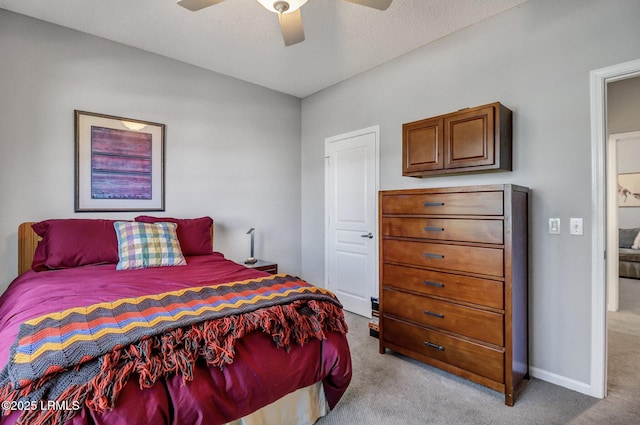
x=453, y=281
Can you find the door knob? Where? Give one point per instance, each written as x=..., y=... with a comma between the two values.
x=368, y=235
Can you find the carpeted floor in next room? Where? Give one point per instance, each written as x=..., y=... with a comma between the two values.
x=391, y=389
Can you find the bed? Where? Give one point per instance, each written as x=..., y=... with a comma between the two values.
x=246, y=347
x=629, y=253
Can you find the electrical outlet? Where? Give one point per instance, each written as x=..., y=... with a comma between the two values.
x=554, y=226
x=575, y=226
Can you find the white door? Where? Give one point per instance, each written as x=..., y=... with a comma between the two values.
x=351, y=242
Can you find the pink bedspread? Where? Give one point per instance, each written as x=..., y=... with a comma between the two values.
x=259, y=375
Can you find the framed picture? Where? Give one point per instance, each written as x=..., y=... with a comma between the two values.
x=629, y=190
x=119, y=164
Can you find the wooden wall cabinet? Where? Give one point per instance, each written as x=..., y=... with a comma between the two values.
x=453, y=281
x=470, y=140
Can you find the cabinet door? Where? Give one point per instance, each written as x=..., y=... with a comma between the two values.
x=422, y=143
x=469, y=139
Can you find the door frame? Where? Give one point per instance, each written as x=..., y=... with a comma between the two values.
x=375, y=129
x=599, y=264
x=611, y=208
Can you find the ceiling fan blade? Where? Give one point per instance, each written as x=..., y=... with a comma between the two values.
x=195, y=5
x=376, y=4
x=291, y=27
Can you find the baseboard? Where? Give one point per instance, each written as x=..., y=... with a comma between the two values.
x=562, y=381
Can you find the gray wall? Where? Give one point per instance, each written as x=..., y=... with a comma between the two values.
x=536, y=60
x=623, y=106
x=232, y=148
x=623, y=116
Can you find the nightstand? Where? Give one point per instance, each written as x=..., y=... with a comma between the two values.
x=265, y=266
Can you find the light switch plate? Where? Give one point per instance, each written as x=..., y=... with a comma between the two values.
x=575, y=226
x=554, y=226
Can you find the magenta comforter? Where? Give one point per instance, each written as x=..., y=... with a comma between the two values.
x=259, y=375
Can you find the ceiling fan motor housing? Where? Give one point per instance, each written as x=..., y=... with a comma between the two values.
x=281, y=6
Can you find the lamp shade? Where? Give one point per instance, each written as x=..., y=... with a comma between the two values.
x=137, y=126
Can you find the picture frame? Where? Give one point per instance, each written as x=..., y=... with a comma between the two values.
x=119, y=163
x=629, y=190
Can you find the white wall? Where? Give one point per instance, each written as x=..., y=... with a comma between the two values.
x=232, y=148
x=536, y=60
x=628, y=153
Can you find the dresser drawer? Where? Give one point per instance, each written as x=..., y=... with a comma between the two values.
x=479, y=359
x=487, y=261
x=472, y=322
x=470, y=203
x=451, y=229
x=485, y=292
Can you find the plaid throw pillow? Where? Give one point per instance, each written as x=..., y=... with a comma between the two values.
x=142, y=245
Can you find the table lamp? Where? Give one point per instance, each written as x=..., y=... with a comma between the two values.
x=251, y=259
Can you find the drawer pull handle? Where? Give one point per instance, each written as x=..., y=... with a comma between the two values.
x=432, y=345
x=433, y=204
x=434, y=229
x=436, y=284
x=432, y=313
x=426, y=254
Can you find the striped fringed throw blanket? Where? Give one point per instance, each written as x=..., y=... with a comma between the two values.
x=85, y=356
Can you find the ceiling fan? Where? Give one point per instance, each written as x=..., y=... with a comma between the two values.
x=288, y=12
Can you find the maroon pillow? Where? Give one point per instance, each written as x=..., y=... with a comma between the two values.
x=194, y=234
x=70, y=243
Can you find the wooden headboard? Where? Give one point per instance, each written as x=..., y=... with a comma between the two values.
x=28, y=241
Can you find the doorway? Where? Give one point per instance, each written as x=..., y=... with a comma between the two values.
x=623, y=317
x=623, y=197
x=601, y=265
x=351, y=211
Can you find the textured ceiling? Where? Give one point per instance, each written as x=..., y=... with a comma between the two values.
x=242, y=39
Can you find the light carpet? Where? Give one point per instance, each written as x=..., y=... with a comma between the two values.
x=390, y=389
